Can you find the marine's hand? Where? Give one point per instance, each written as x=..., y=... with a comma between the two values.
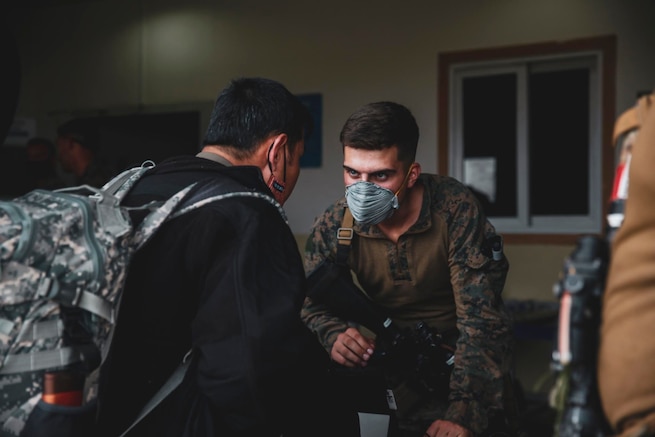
x=444, y=428
x=352, y=349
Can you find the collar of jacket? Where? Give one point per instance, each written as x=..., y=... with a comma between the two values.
x=214, y=157
x=187, y=169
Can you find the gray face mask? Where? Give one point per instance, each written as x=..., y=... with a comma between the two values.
x=369, y=203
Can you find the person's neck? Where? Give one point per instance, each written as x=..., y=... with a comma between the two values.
x=405, y=216
x=220, y=152
x=257, y=159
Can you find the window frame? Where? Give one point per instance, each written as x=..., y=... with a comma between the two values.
x=509, y=58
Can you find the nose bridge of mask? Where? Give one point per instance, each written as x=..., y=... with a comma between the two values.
x=364, y=190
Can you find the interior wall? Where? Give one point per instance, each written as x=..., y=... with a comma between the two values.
x=89, y=56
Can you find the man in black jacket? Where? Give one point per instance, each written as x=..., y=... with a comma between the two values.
x=226, y=281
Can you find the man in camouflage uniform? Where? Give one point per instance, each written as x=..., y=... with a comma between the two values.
x=422, y=259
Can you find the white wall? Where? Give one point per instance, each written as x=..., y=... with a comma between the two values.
x=92, y=54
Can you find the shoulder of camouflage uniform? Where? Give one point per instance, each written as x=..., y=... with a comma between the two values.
x=457, y=205
x=331, y=217
x=447, y=193
x=325, y=226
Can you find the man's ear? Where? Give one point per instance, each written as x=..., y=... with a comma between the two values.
x=277, y=151
x=414, y=173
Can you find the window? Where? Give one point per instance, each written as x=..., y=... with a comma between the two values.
x=529, y=130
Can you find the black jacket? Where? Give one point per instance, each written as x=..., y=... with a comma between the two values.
x=228, y=281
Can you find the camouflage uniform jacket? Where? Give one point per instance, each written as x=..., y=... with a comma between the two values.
x=438, y=273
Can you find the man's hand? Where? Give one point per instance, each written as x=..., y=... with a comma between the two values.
x=352, y=349
x=443, y=428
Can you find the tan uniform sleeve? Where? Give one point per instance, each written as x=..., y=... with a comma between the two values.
x=627, y=353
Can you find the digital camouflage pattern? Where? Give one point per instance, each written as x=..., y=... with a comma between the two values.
x=438, y=272
x=25, y=388
x=69, y=246
x=66, y=246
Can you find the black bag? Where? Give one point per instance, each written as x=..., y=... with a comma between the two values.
x=50, y=420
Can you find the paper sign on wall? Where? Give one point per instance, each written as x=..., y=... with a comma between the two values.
x=480, y=173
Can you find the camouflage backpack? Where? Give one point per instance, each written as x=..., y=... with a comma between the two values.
x=64, y=256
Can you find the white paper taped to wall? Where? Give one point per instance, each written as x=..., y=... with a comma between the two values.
x=480, y=173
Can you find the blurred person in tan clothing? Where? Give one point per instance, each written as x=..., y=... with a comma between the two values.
x=626, y=369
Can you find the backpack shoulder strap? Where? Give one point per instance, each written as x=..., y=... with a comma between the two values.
x=166, y=389
x=345, y=235
x=215, y=189
x=187, y=200
x=121, y=184
x=193, y=197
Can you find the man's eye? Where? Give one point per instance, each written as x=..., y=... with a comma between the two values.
x=381, y=176
x=353, y=173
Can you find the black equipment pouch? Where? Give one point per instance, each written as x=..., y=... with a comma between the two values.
x=50, y=420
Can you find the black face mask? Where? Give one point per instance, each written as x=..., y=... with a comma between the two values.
x=276, y=186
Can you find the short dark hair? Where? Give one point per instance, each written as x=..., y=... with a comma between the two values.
x=250, y=109
x=381, y=125
x=81, y=130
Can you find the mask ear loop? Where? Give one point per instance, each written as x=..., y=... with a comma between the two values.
x=404, y=180
x=284, y=168
x=268, y=157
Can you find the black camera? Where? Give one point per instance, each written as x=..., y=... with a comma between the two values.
x=422, y=356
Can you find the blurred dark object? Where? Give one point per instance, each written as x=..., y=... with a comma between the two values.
x=41, y=161
x=580, y=289
x=421, y=356
x=11, y=78
x=78, y=147
x=533, y=320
